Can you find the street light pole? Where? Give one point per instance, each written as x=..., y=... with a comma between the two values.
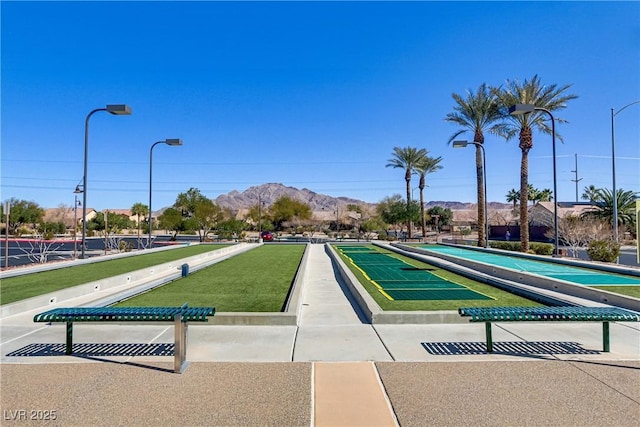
x=75, y=220
x=518, y=109
x=172, y=142
x=259, y=219
x=461, y=144
x=118, y=110
x=613, y=170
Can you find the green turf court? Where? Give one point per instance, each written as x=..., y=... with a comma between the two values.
x=398, y=280
x=577, y=275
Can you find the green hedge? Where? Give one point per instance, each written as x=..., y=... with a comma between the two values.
x=534, y=247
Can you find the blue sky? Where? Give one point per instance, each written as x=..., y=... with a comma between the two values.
x=308, y=94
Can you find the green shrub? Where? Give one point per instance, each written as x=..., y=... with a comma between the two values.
x=507, y=246
x=603, y=250
x=541, y=248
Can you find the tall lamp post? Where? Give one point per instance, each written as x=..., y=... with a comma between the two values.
x=118, y=110
x=613, y=170
x=462, y=144
x=519, y=109
x=76, y=203
x=172, y=142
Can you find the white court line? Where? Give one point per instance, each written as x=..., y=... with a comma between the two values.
x=25, y=335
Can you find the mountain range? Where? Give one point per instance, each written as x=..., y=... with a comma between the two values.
x=269, y=193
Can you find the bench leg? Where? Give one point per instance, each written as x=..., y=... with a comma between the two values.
x=180, y=346
x=69, y=347
x=605, y=337
x=487, y=328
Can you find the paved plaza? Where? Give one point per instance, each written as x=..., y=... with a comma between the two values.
x=330, y=369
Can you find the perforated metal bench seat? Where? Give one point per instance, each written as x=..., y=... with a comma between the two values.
x=125, y=314
x=180, y=316
x=549, y=314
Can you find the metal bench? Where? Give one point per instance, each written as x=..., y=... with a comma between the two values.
x=549, y=314
x=178, y=315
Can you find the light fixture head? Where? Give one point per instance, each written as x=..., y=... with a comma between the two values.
x=518, y=109
x=173, y=141
x=78, y=190
x=119, y=109
x=460, y=144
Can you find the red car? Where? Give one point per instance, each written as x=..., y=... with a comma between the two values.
x=266, y=236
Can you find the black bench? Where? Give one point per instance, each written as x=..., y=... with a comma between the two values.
x=549, y=314
x=178, y=315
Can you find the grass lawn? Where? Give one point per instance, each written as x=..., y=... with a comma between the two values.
x=500, y=297
x=255, y=281
x=632, y=291
x=17, y=288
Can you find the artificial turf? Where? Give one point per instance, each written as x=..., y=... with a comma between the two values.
x=17, y=288
x=497, y=296
x=255, y=281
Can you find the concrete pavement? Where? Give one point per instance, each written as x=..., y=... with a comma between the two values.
x=331, y=369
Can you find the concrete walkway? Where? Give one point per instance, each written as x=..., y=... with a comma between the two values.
x=331, y=369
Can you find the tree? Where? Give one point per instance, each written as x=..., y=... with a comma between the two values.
x=590, y=193
x=286, y=209
x=477, y=113
x=393, y=210
x=22, y=213
x=140, y=210
x=201, y=210
x=439, y=216
x=578, y=231
x=372, y=226
x=171, y=219
x=406, y=158
x=425, y=166
x=545, y=195
x=231, y=228
x=604, y=206
x=532, y=92
x=513, y=196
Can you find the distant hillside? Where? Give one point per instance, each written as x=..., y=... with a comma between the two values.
x=269, y=193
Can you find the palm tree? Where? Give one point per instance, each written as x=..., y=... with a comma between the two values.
x=545, y=195
x=590, y=194
x=139, y=210
x=533, y=92
x=477, y=113
x=513, y=196
x=406, y=158
x=604, y=206
x=424, y=167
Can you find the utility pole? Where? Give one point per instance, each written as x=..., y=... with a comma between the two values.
x=576, y=180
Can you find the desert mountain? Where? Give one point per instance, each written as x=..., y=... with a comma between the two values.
x=269, y=193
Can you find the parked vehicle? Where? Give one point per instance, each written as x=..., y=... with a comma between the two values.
x=266, y=236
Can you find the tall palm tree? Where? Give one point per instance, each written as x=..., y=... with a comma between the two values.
x=477, y=113
x=406, y=158
x=533, y=92
x=139, y=210
x=590, y=194
x=424, y=167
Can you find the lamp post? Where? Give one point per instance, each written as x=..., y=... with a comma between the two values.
x=118, y=110
x=172, y=142
x=259, y=219
x=613, y=171
x=519, y=109
x=7, y=208
x=76, y=203
x=462, y=144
